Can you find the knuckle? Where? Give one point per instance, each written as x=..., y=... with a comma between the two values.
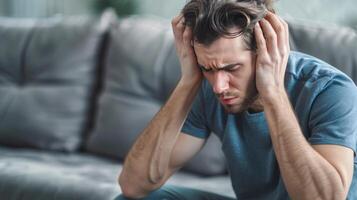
x=174, y=22
x=271, y=37
x=284, y=50
x=279, y=29
x=265, y=62
x=275, y=59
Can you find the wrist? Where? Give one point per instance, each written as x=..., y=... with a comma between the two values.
x=190, y=81
x=274, y=97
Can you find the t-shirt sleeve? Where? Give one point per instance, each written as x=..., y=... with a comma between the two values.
x=333, y=117
x=195, y=123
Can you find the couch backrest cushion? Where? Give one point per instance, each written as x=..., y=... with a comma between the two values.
x=142, y=70
x=47, y=72
x=334, y=44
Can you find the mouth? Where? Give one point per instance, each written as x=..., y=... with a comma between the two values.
x=228, y=100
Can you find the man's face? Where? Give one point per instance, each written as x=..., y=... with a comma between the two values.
x=230, y=68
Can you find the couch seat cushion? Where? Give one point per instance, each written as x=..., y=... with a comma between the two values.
x=32, y=174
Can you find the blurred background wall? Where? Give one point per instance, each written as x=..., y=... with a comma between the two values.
x=331, y=11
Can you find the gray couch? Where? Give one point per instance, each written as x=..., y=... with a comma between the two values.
x=75, y=92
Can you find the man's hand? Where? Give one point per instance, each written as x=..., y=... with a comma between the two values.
x=183, y=42
x=272, y=37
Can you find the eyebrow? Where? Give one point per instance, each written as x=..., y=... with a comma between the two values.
x=229, y=66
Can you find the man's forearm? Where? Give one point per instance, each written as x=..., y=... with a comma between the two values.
x=306, y=174
x=148, y=160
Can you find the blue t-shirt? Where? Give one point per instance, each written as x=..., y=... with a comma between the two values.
x=325, y=103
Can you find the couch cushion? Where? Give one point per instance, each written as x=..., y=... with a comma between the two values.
x=47, y=72
x=142, y=69
x=32, y=174
x=334, y=44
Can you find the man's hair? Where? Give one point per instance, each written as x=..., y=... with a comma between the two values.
x=212, y=19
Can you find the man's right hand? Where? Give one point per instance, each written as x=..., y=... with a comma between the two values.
x=184, y=47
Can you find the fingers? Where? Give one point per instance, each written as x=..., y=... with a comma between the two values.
x=187, y=36
x=182, y=32
x=178, y=26
x=260, y=40
x=286, y=29
x=270, y=36
x=279, y=29
x=176, y=19
x=275, y=32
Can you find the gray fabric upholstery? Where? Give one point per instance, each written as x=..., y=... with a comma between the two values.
x=335, y=45
x=44, y=175
x=47, y=74
x=142, y=69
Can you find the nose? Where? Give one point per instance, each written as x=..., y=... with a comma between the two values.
x=220, y=82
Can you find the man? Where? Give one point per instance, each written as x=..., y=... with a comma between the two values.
x=285, y=119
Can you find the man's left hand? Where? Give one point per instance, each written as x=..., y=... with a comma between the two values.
x=272, y=38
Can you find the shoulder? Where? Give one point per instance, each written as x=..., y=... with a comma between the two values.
x=305, y=71
x=313, y=84
x=324, y=100
x=303, y=66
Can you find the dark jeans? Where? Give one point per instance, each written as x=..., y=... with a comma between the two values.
x=179, y=193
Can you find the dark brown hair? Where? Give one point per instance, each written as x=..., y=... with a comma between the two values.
x=211, y=19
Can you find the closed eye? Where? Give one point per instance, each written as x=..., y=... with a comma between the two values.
x=204, y=69
x=228, y=68
x=231, y=68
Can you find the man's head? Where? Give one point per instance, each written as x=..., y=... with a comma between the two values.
x=224, y=43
